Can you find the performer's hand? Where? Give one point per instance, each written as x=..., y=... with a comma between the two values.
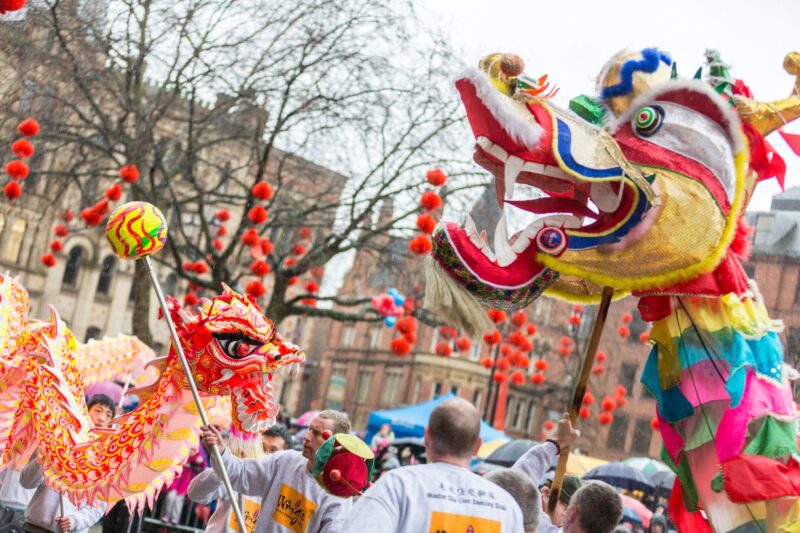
x=209, y=436
x=66, y=523
x=566, y=435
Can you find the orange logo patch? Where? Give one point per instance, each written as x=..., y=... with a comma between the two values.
x=293, y=510
x=458, y=523
x=250, y=510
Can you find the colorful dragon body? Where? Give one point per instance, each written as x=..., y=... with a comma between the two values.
x=232, y=349
x=648, y=203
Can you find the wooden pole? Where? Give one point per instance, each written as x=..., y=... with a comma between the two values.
x=580, y=390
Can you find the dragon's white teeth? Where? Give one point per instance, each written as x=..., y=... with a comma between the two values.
x=502, y=249
x=470, y=227
x=493, y=149
x=511, y=170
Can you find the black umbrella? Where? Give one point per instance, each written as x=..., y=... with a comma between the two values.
x=621, y=476
x=507, y=454
x=662, y=480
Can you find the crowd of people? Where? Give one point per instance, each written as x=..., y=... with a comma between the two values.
x=278, y=493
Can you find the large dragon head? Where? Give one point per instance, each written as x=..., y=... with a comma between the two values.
x=234, y=350
x=649, y=199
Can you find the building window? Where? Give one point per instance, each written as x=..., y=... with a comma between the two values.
x=348, y=334
x=73, y=268
x=642, y=437
x=529, y=419
x=476, y=399
x=14, y=240
x=364, y=386
x=475, y=351
x=512, y=405
x=92, y=333
x=375, y=334
x=106, y=275
x=437, y=389
x=618, y=432
x=336, y=388
x=417, y=387
x=518, y=413
x=392, y=381
x=627, y=375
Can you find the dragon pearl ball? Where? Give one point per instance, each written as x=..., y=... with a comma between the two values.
x=136, y=229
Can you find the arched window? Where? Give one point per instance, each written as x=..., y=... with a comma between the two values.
x=14, y=240
x=73, y=268
x=106, y=275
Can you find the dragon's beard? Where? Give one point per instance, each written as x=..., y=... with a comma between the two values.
x=253, y=411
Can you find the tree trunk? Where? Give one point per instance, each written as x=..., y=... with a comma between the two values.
x=141, y=304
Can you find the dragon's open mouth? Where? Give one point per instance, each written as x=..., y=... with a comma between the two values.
x=539, y=182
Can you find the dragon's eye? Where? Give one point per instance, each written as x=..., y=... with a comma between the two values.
x=238, y=347
x=648, y=120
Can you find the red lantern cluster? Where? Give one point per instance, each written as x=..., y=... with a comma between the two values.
x=517, y=377
x=463, y=344
x=400, y=346
x=496, y=315
x=492, y=338
x=429, y=201
x=605, y=418
x=17, y=169
x=436, y=177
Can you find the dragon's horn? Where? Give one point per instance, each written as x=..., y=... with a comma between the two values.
x=767, y=117
x=226, y=290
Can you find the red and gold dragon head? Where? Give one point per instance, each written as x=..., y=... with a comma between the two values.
x=645, y=201
x=234, y=350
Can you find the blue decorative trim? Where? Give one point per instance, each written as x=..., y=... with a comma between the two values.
x=651, y=58
x=565, y=151
x=583, y=243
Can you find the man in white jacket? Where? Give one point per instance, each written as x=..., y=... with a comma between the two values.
x=291, y=499
x=208, y=486
x=443, y=495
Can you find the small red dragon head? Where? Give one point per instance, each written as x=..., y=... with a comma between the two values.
x=234, y=350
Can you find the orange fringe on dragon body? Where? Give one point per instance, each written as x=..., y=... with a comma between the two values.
x=232, y=350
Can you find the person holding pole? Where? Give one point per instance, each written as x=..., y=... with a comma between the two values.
x=291, y=499
x=49, y=511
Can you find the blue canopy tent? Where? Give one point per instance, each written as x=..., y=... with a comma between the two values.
x=412, y=420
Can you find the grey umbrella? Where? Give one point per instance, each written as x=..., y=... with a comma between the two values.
x=507, y=454
x=621, y=476
x=662, y=481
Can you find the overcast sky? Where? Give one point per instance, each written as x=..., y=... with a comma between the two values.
x=571, y=40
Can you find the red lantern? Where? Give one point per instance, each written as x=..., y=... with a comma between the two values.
x=257, y=215
x=492, y=338
x=496, y=315
x=304, y=232
x=22, y=148
x=624, y=332
x=537, y=378
x=255, y=289
x=588, y=398
x=250, y=237
x=654, y=423
x=549, y=425
x=584, y=412
x=447, y=332
x=199, y=267
x=260, y=268
x=56, y=246
x=541, y=364
x=443, y=349
x=563, y=351
x=598, y=370
x=621, y=401
x=575, y=320
x=60, y=230
x=426, y=223
x=410, y=337
x=290, y=262
x=644, y=337
x=627, y=318
x=608, y=404
x=420, y=245
x=506, y=350
x=223, y=215
x=565, y=341
x=406, y=325
x=503, y=364
x=601, y=357
x=266, y=246
x=436, y=177
x=292, y=281
x=17, y=170
x=463, y=344
x=311, y=286
x=129, y=173
x=577, y=308
x=430, y=201
x=531, y=328
x=28, y=127
x=499, y=377
x=486, y=362
x=217, y=244
x=298, y=249
x=190, y=299
x=517, y=377
x=620, y=390
x=48, y=260
x=400, y=346
x=12, y=190
x=519, y=319
x=605, y=418
x=524, y=361
x=262, y=190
